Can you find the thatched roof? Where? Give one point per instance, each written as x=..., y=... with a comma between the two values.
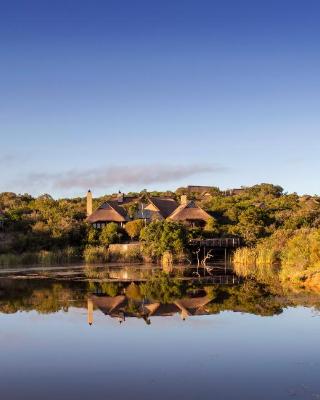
x=117, y=307
x=161, y=310
x=152, y=308
x=193, y=306
x=186, y=306
x=189, y=212
x=109, y=211
x=164, y=205
x=124, y=199
x=108, y=305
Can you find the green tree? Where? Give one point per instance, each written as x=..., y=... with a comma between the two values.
x=92, y=236
x=161, y=236
x=162, y=288
x=251, y=225
x=211, y=226
x=133, y=292
x=133, y=228
x=110, y=233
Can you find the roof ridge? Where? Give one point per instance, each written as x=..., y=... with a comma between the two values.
x=149, y=199
x=184, y=206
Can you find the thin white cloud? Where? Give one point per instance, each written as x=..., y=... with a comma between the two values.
x=7, y=159
x=109, y=176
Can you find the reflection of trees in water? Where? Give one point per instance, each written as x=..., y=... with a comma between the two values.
x=42, y=296
x=250, y=297
x=163, y=288
x=49, y=296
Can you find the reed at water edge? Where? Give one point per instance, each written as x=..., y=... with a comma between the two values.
x=42, y=257
x=293, y=256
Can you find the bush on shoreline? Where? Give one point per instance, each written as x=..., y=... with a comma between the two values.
x=160, y=237
x=294, y=256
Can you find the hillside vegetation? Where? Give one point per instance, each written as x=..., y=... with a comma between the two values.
x=275, y=227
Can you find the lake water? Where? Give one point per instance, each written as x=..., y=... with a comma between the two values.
x=242, y=341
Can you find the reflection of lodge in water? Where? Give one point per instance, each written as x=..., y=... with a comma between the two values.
x=207, y=274
x=131, y=273
x=117, y=307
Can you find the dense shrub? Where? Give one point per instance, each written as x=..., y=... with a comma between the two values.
x=162, y=236
x=133, y=228
x=110, y=233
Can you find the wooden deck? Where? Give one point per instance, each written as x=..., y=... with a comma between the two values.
x=216, y=242
x=213, y=279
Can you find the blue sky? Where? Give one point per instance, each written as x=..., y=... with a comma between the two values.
x=158, y=94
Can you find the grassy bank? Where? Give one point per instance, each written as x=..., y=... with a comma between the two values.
x=96, y=254
x=43, y=257
x=90, y=255
x=294, y=256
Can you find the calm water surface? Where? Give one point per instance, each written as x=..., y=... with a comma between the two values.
x=192, y=349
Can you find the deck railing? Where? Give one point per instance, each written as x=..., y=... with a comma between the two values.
x=219, y=279
x=216, y=242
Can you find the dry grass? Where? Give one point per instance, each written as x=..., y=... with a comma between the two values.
x=42, y=257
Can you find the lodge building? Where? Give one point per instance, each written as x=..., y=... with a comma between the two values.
x=121, y=209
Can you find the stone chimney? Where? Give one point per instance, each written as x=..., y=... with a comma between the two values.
x=89, y=203
x=120, y=197
x=90, y=311
x=184, y=199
